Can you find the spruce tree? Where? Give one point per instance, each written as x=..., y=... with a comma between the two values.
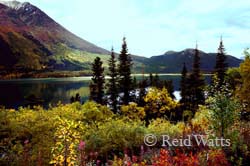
x=184, y=87
x=97, y=83
x=134, y=83
x=196, y=84
x=154, y=80
x=142, y=92
x=220, y=67
x=134, y=90
x=125, y=80
x=112, y=85
x=168, y=84
x=157, y=82
x=151, y=79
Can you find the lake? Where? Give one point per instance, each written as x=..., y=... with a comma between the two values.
x=46, y=91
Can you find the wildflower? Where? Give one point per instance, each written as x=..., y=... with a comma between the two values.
x=26, y=141
x=81, y=145
x=134, y=159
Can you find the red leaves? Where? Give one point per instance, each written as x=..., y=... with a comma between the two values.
x=179, y=159
x=217, y=158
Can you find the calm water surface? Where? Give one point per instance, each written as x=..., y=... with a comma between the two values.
x=46, y=91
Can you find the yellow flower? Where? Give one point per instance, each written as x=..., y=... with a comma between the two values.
x=12, y=110
x=71, y=164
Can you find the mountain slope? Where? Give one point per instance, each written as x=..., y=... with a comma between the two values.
x=172, y=62
x=43, y=27
x=30, y=39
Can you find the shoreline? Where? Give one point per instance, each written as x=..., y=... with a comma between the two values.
x=69, y=74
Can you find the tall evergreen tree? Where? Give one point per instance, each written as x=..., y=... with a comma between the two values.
x=134, y=90
x=154, y=80
x=97, y=83
x=142, y=92
x=220, y=67
x=151, y=79
x=125, y=80
x=112, y=85
x=157, y=82
x=196, y=84
x=168, y=84
x=184, y=87
x=77, y=98
x=134, y=83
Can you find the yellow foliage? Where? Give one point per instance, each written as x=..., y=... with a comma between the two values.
x=161, y=127
x=243, y=91
x=67, y=139
x=201, y=120
x=93, y=112
x=132, y=111
x=159, y=102
x=114, y=134
x=58, y=130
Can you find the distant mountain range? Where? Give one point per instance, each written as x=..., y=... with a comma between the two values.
x=172, y=62
x=32, y=41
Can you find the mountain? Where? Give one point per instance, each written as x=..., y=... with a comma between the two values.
x=30, y=39
x=172, y=62
x=32, y=42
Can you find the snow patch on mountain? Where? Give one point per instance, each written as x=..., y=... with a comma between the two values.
x=16, y=5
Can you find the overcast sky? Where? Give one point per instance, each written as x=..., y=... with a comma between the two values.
x=153, y=27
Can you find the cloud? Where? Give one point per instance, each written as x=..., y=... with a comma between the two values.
x=241, y=20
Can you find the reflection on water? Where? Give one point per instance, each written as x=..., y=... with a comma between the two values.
x=23, y=92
